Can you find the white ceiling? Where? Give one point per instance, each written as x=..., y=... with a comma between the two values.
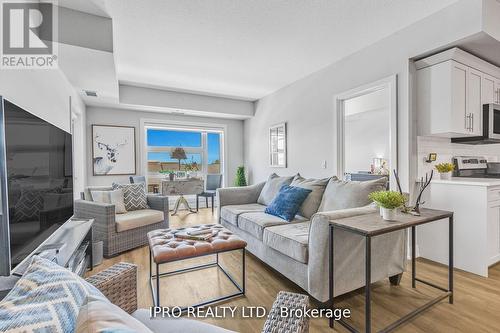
x=246, y=48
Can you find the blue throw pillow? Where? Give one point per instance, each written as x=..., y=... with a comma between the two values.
x=287, y=202
x=46, y=299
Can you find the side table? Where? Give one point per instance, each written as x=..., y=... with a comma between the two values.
x=372, y=225
x=182, y=187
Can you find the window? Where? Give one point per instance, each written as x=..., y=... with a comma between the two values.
x=196, y=151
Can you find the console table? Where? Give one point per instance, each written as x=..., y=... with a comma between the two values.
x=182, y=187
x=70, y=246
x=372, y=225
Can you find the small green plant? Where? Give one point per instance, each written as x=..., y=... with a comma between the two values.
x=167, y=172
x=444, y=167
x=388, y=199
x=240, y=177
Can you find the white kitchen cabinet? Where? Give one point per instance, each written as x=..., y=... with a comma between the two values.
x=489, y=89
x=497, y=92
x=494, y=232
x=449, y=100
x=476, y=226
x=474, y=110
x=451, y=89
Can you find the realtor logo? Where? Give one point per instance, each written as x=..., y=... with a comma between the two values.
x=28, y=30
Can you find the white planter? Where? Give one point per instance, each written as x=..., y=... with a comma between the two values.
x=388, y=214
x=445, y=176
x=381, y=210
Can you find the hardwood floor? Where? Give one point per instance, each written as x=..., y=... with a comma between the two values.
x=475, y=309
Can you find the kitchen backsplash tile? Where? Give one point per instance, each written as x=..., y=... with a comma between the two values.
x=446, y=150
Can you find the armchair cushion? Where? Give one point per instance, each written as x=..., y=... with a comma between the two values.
x=231, y=213
x=272, y=187
x=138, y=218
x=97, y=315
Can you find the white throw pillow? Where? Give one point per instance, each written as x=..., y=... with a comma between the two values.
x=111, y=197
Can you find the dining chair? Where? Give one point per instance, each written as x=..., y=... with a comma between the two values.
x=212, y=184
x=137, y=179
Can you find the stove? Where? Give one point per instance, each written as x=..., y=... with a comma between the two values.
x=472, y=167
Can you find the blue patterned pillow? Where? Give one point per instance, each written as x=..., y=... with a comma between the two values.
x=287, y=202
x=46, y=299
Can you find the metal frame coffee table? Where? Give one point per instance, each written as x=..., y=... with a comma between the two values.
x=372, y=225
x=155, y=292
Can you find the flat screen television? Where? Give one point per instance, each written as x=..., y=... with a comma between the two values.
x=37, y=168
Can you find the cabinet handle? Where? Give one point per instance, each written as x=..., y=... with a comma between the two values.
x=468, y=126
x=472, y=122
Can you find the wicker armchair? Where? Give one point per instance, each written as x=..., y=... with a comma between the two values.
x=119, y=284
x=105, y=227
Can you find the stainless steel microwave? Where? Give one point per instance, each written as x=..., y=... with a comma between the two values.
x=491, y=128
x=491, y=121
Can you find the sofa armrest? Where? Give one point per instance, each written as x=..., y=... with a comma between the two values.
x=158, y=202
x=293, y=324
x=119, y=284
x=318, y=247
x=239, y=195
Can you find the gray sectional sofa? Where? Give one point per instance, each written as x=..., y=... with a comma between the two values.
x=299, y=249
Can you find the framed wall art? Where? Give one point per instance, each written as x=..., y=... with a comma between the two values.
x=113, y=150
x=277, y=146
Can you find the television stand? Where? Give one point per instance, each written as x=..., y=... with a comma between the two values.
x=70, y=246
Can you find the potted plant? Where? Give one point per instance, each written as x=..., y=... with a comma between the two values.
x=389, y=202
x=240, y=177
x=170, y=173
x=445, y=170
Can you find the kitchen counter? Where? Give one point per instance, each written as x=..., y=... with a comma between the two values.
x=468, y=181
x=476, y=227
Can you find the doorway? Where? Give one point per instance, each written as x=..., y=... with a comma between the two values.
x=367, y=131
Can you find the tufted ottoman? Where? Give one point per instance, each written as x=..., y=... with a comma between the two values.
x=165, y=247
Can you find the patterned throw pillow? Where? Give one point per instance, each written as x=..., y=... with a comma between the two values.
x=134, y=195
x=287, y=202
x=46, y=299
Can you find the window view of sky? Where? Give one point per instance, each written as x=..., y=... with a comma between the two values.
x=185, y=139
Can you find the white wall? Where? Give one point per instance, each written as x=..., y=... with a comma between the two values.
x=307, y=105
x=446, y=150
x=366, y=137
x=107, y=116
x=45, y=93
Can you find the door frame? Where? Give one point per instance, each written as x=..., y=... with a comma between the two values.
x=390, y=83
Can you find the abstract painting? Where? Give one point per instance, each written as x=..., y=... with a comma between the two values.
x=113, y=150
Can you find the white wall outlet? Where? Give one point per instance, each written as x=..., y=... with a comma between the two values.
x=323, y=164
